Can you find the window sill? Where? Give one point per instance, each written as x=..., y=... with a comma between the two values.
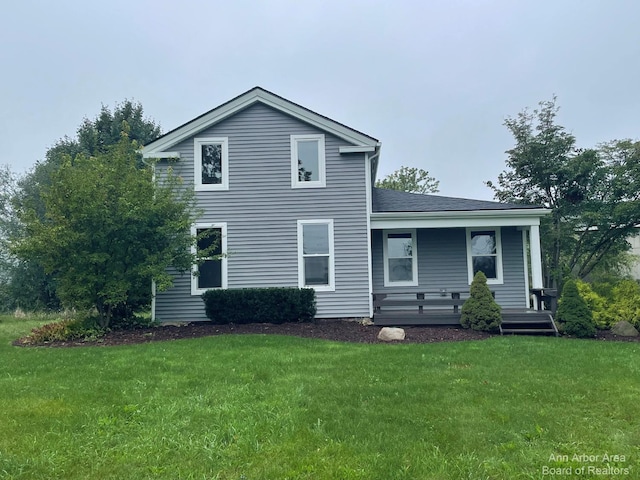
x=321, y=288
x=308, y=185
x=401, y=284
x=211, y=188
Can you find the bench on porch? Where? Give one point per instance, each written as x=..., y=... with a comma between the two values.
x=428, y=307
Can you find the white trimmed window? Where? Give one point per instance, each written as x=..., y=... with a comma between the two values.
x=212, y=272
x=211, y=163
x=484, y=254
x=307, y=161
x=315, y=255
x=400, y=258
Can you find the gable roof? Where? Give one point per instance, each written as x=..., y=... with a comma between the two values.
x=384, y=200
x=245, y=100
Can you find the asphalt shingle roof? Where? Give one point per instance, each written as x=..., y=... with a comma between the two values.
x=396, y=201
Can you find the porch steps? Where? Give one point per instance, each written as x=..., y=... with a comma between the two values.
x=528, y=323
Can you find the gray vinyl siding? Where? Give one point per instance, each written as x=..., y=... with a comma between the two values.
x=261, y=211
x=442, y=263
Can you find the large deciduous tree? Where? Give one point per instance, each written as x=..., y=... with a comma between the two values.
x=7, y=226
x=7, y=219
x=108, y=229
x=31, y=287
x=410, y=179
x=593, y=194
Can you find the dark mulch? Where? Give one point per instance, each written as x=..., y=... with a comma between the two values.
x=338, y=330
x=607, y=335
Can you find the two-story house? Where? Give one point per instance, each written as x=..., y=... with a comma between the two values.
x=291, y=194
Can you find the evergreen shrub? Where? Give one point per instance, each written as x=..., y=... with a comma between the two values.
x=480, y=311
x=260, y=305
x=573, y=315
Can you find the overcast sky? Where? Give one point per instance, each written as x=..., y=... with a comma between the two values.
x=433, y=80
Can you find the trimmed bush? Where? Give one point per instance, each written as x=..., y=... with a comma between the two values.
x=596, y=303
x=611, y=303
x=480, y=311
x=573, y=315
x=260, y=305
x=626, y=303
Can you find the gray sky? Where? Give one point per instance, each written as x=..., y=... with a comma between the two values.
x=433, y=80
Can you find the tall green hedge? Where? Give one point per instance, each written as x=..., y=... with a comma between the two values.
x=260, y=305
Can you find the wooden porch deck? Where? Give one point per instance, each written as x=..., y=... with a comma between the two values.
x=430, y=308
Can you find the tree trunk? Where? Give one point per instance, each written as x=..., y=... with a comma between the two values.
x=104, y=314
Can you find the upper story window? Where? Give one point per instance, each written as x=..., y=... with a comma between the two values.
x=211, y=163
x=400, y=258
x=307, y=161
x=484, y=254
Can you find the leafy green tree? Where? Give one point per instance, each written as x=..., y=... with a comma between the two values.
x=573, y=314
x=98, y=135
x=480, y=311
x=7, y=226
x=593, y=194
x=410, y=179
x=29, y=285
x=109, y=228
x=7, y=219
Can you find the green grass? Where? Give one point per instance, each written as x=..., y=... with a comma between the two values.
x=270, y=407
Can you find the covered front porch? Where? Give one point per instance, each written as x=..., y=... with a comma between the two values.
x=425, y=250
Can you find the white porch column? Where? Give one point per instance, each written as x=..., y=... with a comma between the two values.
x=525, y=262
x=536, y=256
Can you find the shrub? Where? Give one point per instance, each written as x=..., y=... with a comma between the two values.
x=260, y=305
x=611, y=303
x=132, y=322
x=50, y=332
x=597, y=303
x=626, y=303
x=573, y=314
x=65, y=330
x=480, y=311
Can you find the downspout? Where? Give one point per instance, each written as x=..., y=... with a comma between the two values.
x=370, y=179
x=373, y=157
x=153, y=300
x=153, y=282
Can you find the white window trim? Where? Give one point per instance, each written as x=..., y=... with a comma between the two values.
x=497, y=231
x=321, y=182
x=332, y=279
x=414, y=258
x=195, y=290
x=197, y=163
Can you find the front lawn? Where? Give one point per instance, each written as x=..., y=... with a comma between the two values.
x=274, y=407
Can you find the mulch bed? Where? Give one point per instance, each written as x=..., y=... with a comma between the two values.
x=337, y=330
